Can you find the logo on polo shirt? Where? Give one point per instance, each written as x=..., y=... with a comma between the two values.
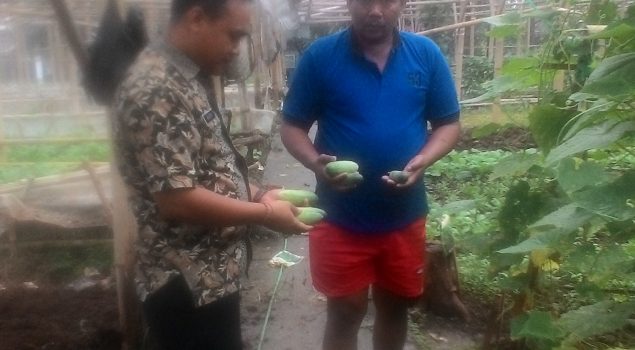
x=415, y=79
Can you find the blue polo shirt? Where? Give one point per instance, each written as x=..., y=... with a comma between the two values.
x=377, y=119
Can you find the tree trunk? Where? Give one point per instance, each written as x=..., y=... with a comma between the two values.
x=442, y=295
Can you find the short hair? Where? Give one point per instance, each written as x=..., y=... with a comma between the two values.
x=213, y=8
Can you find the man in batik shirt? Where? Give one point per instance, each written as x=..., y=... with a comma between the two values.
x=187, y=184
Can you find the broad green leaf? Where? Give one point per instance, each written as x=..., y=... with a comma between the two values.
x=515, y=165
x=583, y=96
x=614, y=200
x=615, y=76
x=545, y=123
x=610, y=263
x=590, y=290
x=623, y=31
x=524, y=66
x=596, y=136
x=581, y=259
x=565, y=219
x=601, y=12
x=485, y=130
x=518, y=74
x=574, y=175
x=596, y=319
x=601, y=111
x=522, y=206
x=506, y=83
x=540, y=241
x=458, y=206
x=535, y=325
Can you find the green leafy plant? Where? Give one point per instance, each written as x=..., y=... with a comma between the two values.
x=566, y=225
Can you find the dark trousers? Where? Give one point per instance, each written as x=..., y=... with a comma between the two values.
x=175, y=323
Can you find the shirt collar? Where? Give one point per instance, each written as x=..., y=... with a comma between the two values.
x=179, y=59
x=396, y=42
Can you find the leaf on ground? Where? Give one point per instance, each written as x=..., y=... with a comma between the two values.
x=535, y=325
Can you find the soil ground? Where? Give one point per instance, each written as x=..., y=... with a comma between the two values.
x=54, y=317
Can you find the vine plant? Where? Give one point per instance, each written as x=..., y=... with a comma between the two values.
x=566, y=243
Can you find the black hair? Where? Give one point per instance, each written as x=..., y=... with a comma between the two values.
x=213, y=8
x=116, y=45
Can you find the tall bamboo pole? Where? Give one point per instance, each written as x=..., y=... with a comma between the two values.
x=459, y=48
x=491, y=40
x=66, y=23
x=258, y=71
x=125, y=233
x=499, y=52
x=472, y=35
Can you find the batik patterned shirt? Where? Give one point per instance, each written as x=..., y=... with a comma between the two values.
x=169, y=135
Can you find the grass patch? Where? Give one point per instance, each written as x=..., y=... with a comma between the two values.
x=31, y=161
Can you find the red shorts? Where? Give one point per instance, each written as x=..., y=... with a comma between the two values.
x=344, y=263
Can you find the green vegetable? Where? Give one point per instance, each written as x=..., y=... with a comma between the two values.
x=354, y=178
x=311, y=215
x=399, y=176
x=299, y=198
x=341, y=166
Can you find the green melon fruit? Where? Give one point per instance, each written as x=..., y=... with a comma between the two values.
x=399, y=176
x=299, y=198
x=354, y=178
x=310, y=215
x=341, y=166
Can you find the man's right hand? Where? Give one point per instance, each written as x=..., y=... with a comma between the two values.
x=338, y=182
x=281, y=217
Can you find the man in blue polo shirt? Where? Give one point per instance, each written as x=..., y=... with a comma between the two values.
x=372, y=90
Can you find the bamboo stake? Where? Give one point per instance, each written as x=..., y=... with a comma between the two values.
x=499, y=52
x=66, y=22
x=472, y=37
x=257, y=41
x=105, y=204
x=491, y=40
x=458, y=50
x=471, y=23
x=276, y=76
x=125, y=233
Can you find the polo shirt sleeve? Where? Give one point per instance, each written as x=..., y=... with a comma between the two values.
x=160, y=136
x=301, y=103
x=442, y=104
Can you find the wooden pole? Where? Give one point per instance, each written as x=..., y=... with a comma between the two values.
x=472, y=33
x=257, y=41
x=276, y=77
x=491, y=40
x=499, y=52
x=99, y=189
x=469, y=23
x=519, y=40
x=458, y=50
x=66, y=22
x=124, y=235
